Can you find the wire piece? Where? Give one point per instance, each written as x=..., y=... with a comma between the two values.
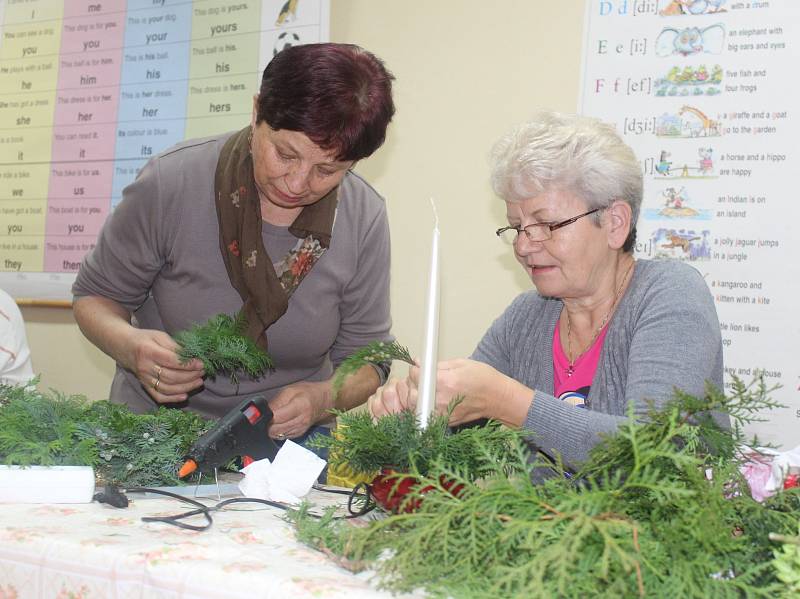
x=206, y=510
x=200, y=508
x=360, y=493
x=368, y=503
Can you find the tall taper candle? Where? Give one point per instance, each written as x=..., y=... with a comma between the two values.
x=427, y=381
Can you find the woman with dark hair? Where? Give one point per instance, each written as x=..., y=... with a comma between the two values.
x=269, y=221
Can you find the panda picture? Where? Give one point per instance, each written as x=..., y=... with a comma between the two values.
x=285, y=40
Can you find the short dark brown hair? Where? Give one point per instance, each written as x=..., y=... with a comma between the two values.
x=339, y=95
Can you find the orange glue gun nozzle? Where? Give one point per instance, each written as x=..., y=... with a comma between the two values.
x=188, y=467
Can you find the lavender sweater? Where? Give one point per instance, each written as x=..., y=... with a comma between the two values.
x=158, y=255
x=664, y=334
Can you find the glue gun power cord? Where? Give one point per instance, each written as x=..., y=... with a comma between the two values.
x=116, y=497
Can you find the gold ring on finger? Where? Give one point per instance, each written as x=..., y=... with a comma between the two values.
x=155, y=384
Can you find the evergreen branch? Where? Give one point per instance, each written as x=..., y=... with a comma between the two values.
x=639, y=519
x=397, y=441
x=221, y=346
x=787, y=562
x=9, y=392
x=55, y=429
x=374, y=353
x=326, y=533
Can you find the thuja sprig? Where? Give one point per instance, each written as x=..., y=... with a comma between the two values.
x=374, y=353
x=327, y=533
x=221, y=346
x=686, y=421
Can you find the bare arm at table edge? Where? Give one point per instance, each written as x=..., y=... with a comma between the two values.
x=149, y=354
x=301, y=405
x=357, y=388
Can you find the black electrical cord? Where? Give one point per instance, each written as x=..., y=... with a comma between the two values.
x=110, y=496
x=368, y=505
x=353, y=496
x=201, y=508
x=176, y=520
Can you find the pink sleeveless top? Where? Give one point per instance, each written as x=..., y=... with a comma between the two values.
x=574, y=388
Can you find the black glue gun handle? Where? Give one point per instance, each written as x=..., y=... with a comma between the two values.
x=241, y=432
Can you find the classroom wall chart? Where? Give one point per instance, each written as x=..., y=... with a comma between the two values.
x=90, y=90
x=705, y=92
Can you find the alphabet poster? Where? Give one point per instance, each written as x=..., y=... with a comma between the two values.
x=91, y=89
x=706, y=94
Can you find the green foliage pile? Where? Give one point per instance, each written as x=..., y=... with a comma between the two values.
x=397, y=442
x=374, y=353
x=221, y=346
x=54, y=429
x=659, y=510
x=787, y=562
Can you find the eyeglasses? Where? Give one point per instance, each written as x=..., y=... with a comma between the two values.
x=537, y=231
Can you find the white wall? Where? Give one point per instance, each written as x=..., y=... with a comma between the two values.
x=63, y=357
x=467, y=71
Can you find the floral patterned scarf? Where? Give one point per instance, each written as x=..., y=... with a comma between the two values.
x=265, y=288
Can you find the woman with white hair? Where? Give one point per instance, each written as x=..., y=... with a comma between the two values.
x=602, y=330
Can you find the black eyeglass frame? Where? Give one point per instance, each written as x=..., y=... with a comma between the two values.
x=550, y=226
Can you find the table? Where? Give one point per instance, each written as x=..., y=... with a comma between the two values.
x=93, y=551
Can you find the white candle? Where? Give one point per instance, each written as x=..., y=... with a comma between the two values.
x=427, y=381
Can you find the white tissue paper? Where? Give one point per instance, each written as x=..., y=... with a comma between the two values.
x=767, y=470
x=287, y=479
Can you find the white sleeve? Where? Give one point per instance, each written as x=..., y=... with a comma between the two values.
x=15, y=355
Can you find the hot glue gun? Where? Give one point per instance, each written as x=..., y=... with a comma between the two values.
x=241, y=432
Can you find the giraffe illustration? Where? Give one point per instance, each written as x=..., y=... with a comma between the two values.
x=710, y=126
x=289, y=11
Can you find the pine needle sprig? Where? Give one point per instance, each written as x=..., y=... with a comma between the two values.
x=10, y=392
x=221, y=346
x=366, y=447
x=397, y=441
x=37, y=431
x=374, y=353
x=787, y=562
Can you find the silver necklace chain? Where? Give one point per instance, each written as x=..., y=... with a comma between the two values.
x=571, y=368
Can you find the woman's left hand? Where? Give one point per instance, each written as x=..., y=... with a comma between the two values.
x=298, y=407
x=393, y=397
x=485, y=392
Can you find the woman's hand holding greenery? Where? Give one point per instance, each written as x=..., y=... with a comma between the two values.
x=483, y=392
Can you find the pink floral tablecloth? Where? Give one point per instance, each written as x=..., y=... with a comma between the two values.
x=91, y=551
